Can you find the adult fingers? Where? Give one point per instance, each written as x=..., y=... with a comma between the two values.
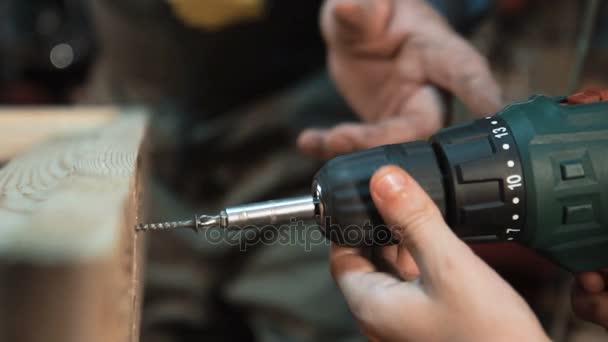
x=416, y=221
x=351, y=21
x=456, y=66
x=591, y=307
x=361, y=284
x=591, y=282
x=400, y=262
x=350, y=137
x=345, y=260
x=312, y=142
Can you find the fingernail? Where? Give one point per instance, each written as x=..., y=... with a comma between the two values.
x=390, y=184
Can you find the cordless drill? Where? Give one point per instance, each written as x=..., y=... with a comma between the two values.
x=535, y=173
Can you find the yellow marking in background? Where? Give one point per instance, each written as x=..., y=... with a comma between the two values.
x=216, y=14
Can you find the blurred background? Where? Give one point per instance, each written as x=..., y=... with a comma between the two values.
x=229, y=85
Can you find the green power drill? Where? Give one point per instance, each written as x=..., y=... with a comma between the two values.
x=535, y=173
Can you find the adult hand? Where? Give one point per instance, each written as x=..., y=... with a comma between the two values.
x=385, y=55
x=441, y=291
x=590, y=297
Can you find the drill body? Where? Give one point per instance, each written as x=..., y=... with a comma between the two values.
x=564, y=153
x=535, y=173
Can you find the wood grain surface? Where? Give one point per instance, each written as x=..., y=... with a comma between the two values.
x=24, y=127
x=71, y=261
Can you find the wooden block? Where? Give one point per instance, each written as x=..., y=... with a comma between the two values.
x=72, y=260
x=23, y=127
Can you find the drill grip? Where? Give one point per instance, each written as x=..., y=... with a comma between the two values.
x=347, y=213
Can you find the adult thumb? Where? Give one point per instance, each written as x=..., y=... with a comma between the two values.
x=413, y=218
x=355, y=21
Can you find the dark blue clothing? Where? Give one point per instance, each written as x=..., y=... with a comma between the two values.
x=463, y=15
